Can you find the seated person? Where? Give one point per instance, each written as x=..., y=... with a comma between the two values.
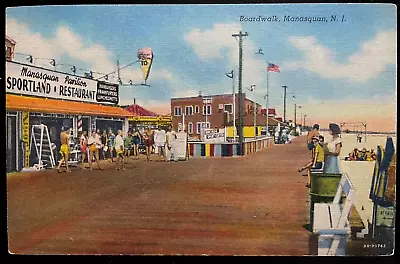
x=364, y=154
x=373, y=155
x=318, y=155
x=359, y=156
x=353, y=155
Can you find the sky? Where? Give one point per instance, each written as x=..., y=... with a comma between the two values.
x=335, y=71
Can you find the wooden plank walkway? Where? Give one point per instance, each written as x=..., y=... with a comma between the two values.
x=251, y=205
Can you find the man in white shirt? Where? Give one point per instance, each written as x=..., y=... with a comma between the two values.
x=119, y=148
x=159, y=141
x=171, y=139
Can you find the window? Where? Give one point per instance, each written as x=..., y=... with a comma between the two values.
x=196, y=109
x=189, y=110
x=190, y=128
x=177, y=110
x=8, y=52
x=228, y=108
x=202, y=124
x=198, y=128
x=208, y=109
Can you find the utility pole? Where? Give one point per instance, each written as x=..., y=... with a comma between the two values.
x=284, y=102
x=240, y=123
x=119, y=77
x=295, y=106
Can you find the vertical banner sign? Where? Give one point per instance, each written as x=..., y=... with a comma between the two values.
x=145, y=55
x=25, y=137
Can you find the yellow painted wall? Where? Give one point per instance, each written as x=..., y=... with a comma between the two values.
x=248, y=131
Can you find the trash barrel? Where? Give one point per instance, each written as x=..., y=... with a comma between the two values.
x=323, y=190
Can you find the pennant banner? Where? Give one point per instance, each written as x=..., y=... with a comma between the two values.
x=145, y=55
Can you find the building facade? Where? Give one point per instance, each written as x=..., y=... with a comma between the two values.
x=10, y=48
x=36, y=96
x=214, y=111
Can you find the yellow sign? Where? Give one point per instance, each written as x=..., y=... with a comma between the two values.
x=25, y=137
x=145, y=56
x=150, y=119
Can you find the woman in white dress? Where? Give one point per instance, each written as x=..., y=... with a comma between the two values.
x=332, y=150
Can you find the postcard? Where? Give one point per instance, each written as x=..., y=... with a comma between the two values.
x=201, y=130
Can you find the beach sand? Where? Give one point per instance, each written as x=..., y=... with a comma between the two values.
x=360, y=172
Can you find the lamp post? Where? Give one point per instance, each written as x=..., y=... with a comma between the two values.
x=304, y=120
x=28, y=57
x=51, y=61
x=231, y=75
x=284, y=102
x=266, y=96
x=251, y=89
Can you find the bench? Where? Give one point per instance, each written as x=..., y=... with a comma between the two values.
x=318, y=170
x=331, y=222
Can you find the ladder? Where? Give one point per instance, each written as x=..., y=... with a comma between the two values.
x=41, y=140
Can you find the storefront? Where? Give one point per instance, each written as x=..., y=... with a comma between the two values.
x=58, y=100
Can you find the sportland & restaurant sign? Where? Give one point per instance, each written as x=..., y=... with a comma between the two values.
x=29, y=80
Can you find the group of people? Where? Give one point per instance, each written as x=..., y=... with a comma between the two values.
x=361, y=155
x=324, y=155
x=282, y=136
x=109, y=144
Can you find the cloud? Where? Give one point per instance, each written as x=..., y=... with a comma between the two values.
x=209, y=44
x=66, y=42
x=371, y=59
x=218, y=44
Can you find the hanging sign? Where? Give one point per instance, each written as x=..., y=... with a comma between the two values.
x=145, y=55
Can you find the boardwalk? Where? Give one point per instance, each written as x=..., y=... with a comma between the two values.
x=252, y=205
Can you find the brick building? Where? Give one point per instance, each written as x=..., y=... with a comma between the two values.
x=216, y=110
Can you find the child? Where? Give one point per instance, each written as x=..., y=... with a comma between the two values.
x=317, y=158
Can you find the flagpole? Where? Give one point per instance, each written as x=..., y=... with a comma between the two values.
x=267, y=101
x=234, y=107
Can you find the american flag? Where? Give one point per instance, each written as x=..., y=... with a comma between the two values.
x=273, y=67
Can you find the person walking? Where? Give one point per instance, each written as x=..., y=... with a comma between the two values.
x=119, y=148
x=128, y=146
x=171, y=146
x=332, y=150
x=64, y=149
x=148, y=141
x=136, y=141
x=83, y=144
x=104, y=145
x=111, y=143
x=94, y=144
x=160, y=140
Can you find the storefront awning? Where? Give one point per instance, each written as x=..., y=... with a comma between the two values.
x=44, y=105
